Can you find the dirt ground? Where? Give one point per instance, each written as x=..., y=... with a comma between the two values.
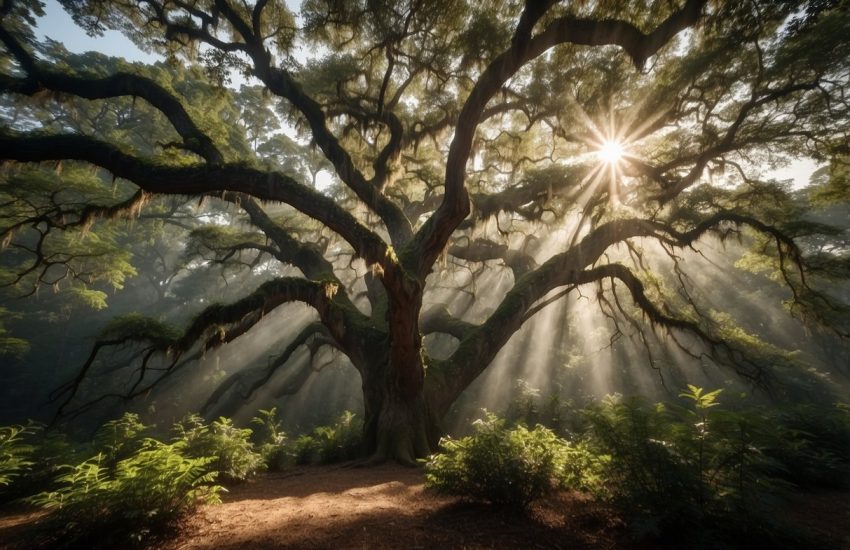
x=384, y=507
x=380, y=507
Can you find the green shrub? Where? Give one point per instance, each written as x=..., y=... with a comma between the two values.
x=106, y=505
x=120, y=438
x=583, y=469
x=725, y=470
x=16, y=452
x=26, y=447
x=233, y=453
x=711, y=463
x=644, y=472
x=505, y=466
x=306, y=450
x=271, y=439
x=326, y=444
x=814, y=447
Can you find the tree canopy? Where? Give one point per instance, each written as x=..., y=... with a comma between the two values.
x=485, y=160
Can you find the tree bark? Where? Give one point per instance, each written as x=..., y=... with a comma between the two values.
x=398, y=422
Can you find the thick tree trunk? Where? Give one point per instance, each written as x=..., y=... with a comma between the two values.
x=399, y=424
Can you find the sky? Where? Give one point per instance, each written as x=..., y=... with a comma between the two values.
x=58, y=25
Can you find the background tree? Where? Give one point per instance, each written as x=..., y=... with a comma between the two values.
x=489, y=159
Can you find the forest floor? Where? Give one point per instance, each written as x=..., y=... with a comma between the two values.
x=388, y=507
x=385, y=507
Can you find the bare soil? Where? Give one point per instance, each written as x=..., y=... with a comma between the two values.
x=388, y=507
x=384, y=507
x=350, y=507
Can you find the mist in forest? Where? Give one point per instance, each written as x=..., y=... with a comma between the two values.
x=574, y=350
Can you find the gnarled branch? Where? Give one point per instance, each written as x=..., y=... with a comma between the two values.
x=120, y=84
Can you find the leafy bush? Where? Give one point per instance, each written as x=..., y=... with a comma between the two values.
x=233, y=453
x=15, y=452
x=813, y=446
x=340, y=441
x=306, y=449
x=103, y=505
x=712, y=463
x=644, y=472
x=506, y=466
x=271, y=439
x=24, y=447
x=583, y=469
x=120, y=438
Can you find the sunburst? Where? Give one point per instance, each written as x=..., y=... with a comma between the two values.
x=612, y=146
x=611, y=151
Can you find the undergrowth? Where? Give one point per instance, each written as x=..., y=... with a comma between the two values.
x=100, y=503
x=232, y=453
x=340, y=441
x=509, y=466
x=684, y=473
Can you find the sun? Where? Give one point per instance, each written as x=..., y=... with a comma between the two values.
x=611, y=151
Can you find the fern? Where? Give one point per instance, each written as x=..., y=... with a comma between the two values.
x=152, y=488
x=271, y=439
x=234, y=457
x=339, y=441
x=16, y=453
x=120, y=438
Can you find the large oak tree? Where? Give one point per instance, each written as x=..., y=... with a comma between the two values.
x=462, y=137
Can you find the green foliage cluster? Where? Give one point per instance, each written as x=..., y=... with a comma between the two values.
x=722, y=468
x=226, y=452
x=115, y=490
x=30, y=459
x=812, y=442
x=233, y=454
x=507, y=466
x=340, y=441
x=125, y=485
x=530, y=407
x=9, y=345
x=150, y=488
x=657, y=455
x=683, y=472
x=271, y=439
x=15, y=452
x=135, y=325
x=120, y=438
